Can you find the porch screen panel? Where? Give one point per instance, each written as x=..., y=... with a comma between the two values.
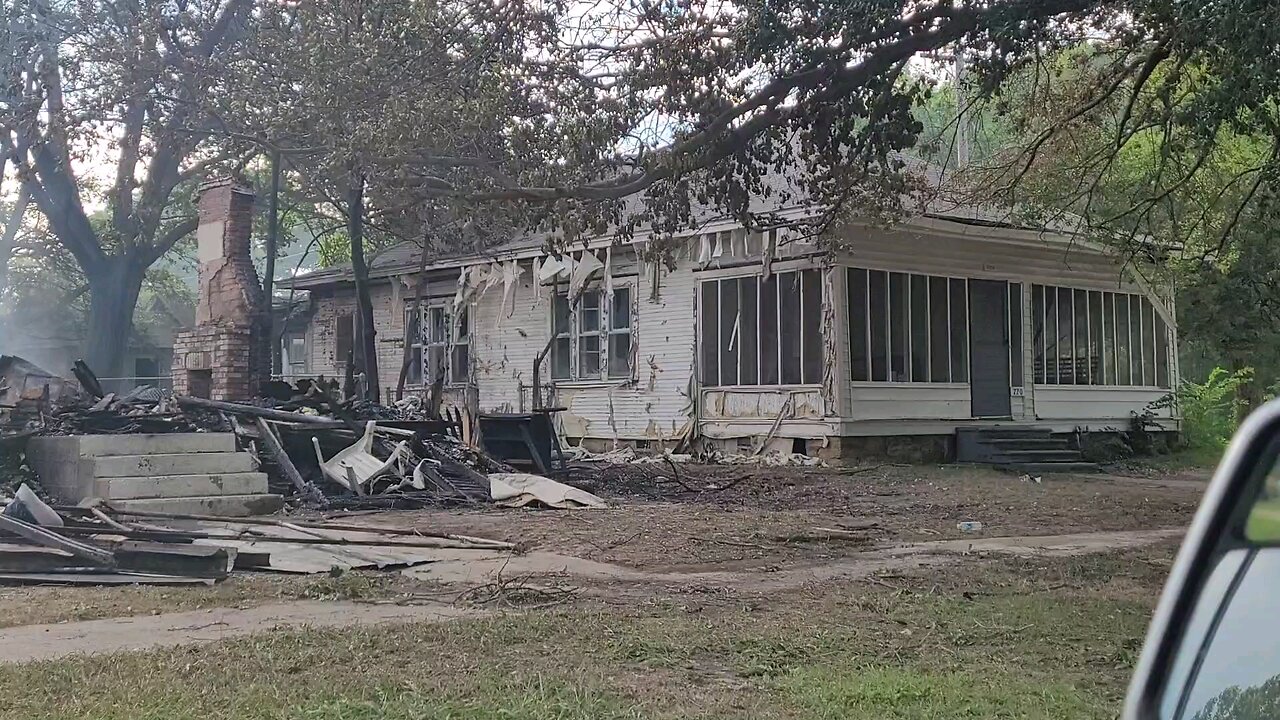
x=1037, y=334
x=1096, y=333
x=789, y=327
x=748, y=332
x=811, y=356
x=1015, y=335
x=730, y=332
x=919, y=328
x=959, y=330
x=1101, y=338
x=1066, y=338
x=1124, y=358
x=758, y=331
x=710, y=336
x=898, y=317
x=878, y=284
x=768, y=345
x=859, y=343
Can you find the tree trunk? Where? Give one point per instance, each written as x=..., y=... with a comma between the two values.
x=113, y=296
x=366, y=350
x=269, y=335
x=407, y=357
x=11, y=235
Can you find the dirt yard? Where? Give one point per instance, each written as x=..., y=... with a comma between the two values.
x=784, y=514
x=735, y=592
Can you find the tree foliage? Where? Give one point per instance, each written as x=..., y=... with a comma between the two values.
x=103, y=102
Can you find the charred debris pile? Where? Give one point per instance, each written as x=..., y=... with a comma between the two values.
x=320, y=449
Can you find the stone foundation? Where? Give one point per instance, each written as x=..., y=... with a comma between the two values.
x=910, y=449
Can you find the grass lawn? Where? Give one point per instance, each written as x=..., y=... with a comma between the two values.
x=986, y=638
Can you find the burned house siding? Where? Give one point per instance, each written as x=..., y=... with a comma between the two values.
x=665, y=398
x=340, y=303
x=651, y=405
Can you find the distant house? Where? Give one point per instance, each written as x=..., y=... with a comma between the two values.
x=48, y=340
x=946, y=321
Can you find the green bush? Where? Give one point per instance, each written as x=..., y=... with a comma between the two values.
x=1209, y=409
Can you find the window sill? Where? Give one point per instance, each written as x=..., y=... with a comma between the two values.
x=587, y=384
x=891, y=384
x=765, y=388
x=447, y=386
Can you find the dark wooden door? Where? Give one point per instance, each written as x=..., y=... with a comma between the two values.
x=989, y=348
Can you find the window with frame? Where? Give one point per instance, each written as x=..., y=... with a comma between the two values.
x=913, y=328
x=294, y=351
x=593, y=339
x=344, y=339
x=439, y=344
x=761, y=331
x=1095, y=337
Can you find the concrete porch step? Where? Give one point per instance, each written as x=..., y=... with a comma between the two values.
x=1028, y=443
x=114, y=466
x=226, y=505
x=162, y=486
x=1041, y=456
x=168, y=443
x=1039, y=468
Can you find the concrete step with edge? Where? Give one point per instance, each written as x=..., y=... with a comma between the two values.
x=172, y=464
x=165, y=486
x=1027, y=443
x=1039, y=456
x=156, y=444
x=1042, y=468
x=225, y=505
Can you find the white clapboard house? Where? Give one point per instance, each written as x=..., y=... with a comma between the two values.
x=943, y=323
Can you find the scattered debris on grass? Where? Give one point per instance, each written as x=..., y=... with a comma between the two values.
x=100, y=545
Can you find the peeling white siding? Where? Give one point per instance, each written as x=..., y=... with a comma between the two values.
x=655, y=403
x=652, y=405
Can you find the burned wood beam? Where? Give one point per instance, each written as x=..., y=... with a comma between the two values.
x=269, y=439
x=409, y=532
x=47, y=538
x=203, y=561
x=436, y=543
x=253, y=411
x=87, y=379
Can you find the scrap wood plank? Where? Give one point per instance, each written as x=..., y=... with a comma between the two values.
x=36, y=558
x=97, y=577
x=407, y=532
x=203, y=561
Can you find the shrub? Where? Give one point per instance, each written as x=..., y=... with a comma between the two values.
x=1209, y=409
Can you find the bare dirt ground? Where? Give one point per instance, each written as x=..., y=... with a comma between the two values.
x=773, y=515
x=734, y=529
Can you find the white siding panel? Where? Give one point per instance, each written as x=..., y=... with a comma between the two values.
x=1096, y=407
x=653, y=405
x=506, y=340
x=909, y=402
x=764, y=402
x=976, y=257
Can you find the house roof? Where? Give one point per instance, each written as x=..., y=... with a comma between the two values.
x=404, y=257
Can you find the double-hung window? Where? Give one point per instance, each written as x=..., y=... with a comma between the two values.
x=592, y=338
x=439, y=346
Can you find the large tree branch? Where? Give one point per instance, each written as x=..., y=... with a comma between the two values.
x=166, y=240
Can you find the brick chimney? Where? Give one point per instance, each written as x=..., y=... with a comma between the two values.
x=219, y=358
